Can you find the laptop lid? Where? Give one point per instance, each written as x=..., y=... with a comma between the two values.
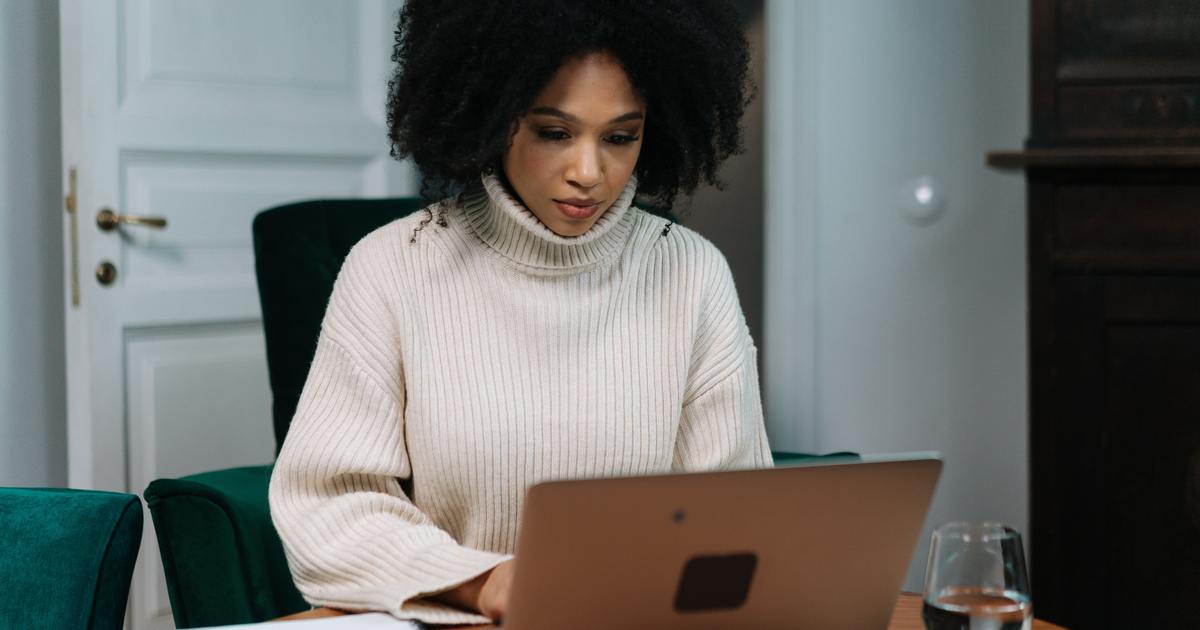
x=822, y=546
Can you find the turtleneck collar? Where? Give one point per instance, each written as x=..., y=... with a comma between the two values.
x=509, y=228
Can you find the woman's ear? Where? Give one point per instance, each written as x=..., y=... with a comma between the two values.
x=513, y=128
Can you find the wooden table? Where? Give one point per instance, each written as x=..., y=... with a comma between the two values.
x=906, y=616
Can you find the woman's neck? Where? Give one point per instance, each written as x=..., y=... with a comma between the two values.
x=496, y=215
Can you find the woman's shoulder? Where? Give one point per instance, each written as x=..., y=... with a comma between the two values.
x=394, y=237
x=386, y=251
x=678, y=243
x=399, y=231
x=687, y=258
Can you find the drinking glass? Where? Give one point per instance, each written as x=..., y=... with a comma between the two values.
x=976, y=579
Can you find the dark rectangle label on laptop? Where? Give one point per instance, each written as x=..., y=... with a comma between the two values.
x=715, y=582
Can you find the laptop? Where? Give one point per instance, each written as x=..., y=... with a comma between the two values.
x=821, y=545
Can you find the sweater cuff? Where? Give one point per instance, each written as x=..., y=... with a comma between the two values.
x=445, y=567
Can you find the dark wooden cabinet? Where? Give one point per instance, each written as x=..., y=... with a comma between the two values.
x=1123, y=72
x=1113, y=172
x=1114, y=281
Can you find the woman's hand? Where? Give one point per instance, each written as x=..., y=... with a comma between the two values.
x=486, y=594
x=493, y=596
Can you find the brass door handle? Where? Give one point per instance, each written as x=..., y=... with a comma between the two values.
x=108, y=220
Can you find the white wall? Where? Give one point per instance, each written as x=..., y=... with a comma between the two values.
x=883, y=334
x=32, y=380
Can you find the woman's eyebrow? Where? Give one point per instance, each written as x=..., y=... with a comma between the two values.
x=558, y=113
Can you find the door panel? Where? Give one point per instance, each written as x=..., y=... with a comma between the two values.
x=269, y=61
x=209, y=202
x=204, y=114
x=191, y=389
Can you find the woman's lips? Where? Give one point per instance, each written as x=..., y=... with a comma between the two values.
x=577, y=211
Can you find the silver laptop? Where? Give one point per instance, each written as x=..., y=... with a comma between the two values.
x=821, y=545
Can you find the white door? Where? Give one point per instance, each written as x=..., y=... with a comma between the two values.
x=201, y=113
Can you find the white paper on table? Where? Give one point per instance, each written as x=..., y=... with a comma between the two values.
x=365, y=621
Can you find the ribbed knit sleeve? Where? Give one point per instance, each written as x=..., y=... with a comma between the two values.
x=721, y=425
x=353, y=539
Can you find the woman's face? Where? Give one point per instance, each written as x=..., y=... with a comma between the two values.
x=576, y=147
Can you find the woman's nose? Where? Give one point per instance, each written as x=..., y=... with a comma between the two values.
x=584, y=168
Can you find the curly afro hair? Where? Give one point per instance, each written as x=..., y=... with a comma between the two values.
x=468, y=70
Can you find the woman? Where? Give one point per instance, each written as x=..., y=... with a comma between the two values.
x=535, y=326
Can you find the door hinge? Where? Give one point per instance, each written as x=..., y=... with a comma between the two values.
x=71, y=203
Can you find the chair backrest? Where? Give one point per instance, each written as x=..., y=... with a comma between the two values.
x=298, y=250
x=67, y=557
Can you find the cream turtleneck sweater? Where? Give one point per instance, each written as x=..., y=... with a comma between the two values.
x=480, y=358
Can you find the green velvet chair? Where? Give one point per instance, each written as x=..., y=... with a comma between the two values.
x=791, y=459
x=67, y=557
x=223, y=561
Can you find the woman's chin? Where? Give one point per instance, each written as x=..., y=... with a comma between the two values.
x=568, y=226
x=570, y=229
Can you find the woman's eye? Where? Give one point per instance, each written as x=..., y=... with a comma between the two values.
x=552, y=134
x=621, y=139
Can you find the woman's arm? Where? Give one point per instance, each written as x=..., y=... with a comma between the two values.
x=721, y=423
x=353, y=539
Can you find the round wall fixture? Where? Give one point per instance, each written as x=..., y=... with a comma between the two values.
x=922, y=201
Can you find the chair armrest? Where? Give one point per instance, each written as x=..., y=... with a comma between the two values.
x=223, y=561
x=787, y=459
x=67, y=557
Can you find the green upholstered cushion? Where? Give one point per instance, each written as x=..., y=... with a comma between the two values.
x=224, y=562
x=298, y=250
x=67, y=557
x=783, y=458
